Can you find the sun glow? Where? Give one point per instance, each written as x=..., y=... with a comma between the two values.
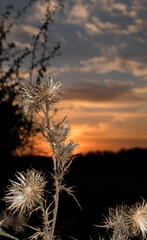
x=100, y=126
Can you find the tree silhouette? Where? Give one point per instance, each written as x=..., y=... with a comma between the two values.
x=18, y=63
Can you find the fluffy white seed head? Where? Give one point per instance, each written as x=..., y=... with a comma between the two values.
x=27, y=192
x=138, y=218
x=34, y=94
x=49, y=91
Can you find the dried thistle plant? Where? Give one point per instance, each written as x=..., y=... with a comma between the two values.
x=37, y=100
x=127, y=222
x=27, y=193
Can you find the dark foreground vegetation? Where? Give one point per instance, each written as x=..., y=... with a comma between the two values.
x=101, y=180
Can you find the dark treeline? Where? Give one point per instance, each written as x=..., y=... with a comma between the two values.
x=101, y=180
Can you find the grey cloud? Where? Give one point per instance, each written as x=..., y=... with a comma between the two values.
x=109, y=91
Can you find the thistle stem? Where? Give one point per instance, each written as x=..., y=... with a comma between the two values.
x=57, y=184
x=51, y=144
x=56, y=201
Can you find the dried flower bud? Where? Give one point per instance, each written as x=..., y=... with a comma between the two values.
x=27, y=193
x=59, y=132
x=65, y=150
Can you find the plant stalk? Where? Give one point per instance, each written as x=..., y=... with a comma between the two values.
x=57, y=183
x=56, y=200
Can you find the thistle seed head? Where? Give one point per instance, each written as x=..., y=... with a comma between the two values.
x=26, y=99
x=128, y=222
x=138, y=218
x=33, y=95
x=117, y=221
x=27, y=192
x=15, y=221
x=49, y=91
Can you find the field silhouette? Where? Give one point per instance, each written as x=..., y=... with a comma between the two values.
x=101, y=180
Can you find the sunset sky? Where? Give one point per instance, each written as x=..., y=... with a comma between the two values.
x=103, y=68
